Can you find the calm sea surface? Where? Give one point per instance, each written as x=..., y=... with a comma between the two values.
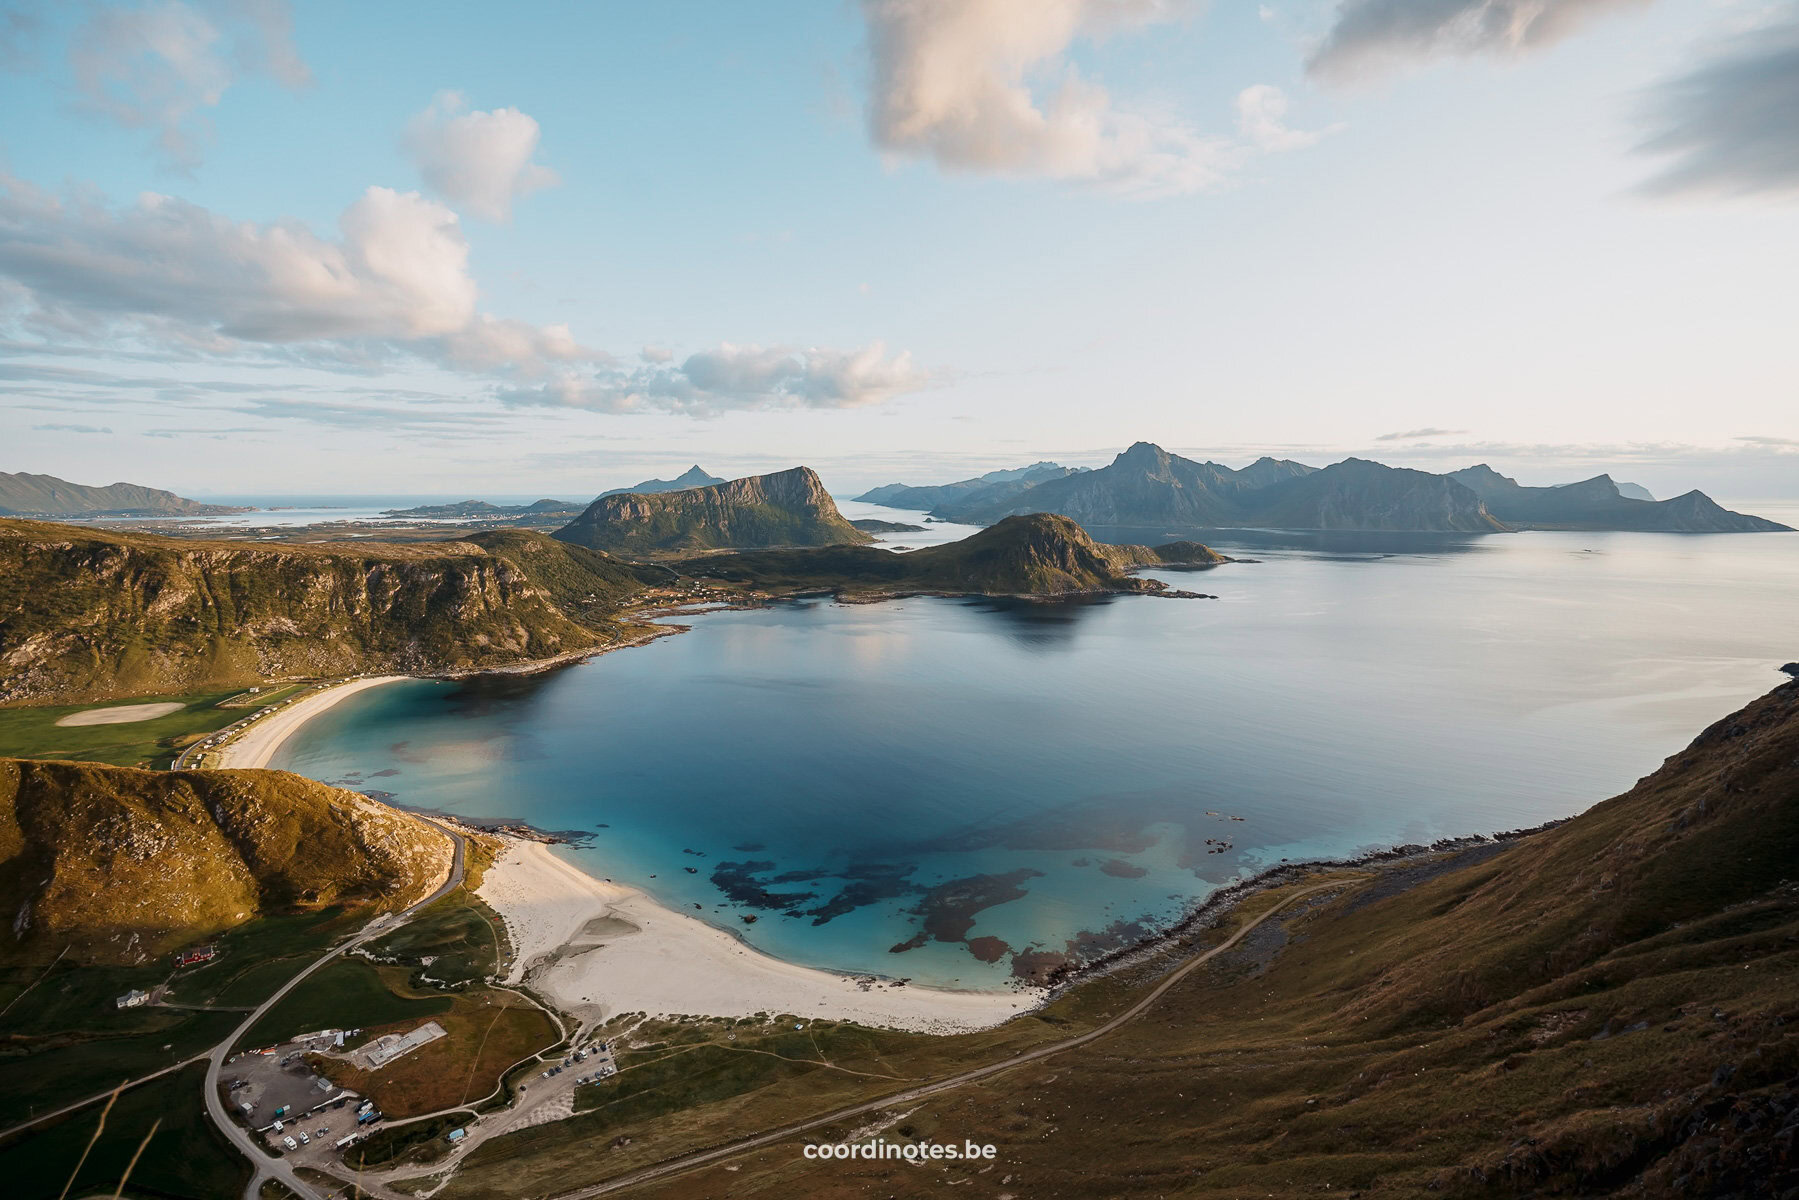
x=980, y=781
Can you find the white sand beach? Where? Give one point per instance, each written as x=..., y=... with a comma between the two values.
x=596, y=949
x=256, y=745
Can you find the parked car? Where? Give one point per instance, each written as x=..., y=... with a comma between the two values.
x=289, y=1143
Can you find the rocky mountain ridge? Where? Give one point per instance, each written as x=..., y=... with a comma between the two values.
x=786, y=508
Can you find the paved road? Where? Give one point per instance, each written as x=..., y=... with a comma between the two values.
x=700, y=1158
x=263, y=1165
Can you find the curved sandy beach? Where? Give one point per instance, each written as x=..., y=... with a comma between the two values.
x=596, y=949
x=256, y=745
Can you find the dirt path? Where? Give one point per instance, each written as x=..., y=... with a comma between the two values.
x=700, y=1158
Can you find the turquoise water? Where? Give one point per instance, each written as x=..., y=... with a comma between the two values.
x=978, y=779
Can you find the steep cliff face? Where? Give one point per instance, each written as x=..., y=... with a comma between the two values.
x=85, y=613
x=120, y=864
x=788, y=508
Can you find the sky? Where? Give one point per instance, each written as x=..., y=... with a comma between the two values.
x=535, y=249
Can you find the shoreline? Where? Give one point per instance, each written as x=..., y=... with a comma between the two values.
x=596, y=949
x=256, y=745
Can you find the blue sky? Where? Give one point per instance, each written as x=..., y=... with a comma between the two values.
x=904, y=239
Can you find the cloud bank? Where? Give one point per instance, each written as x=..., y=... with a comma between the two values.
x=1731, y=126
x=478, y=161
x=161, y=64
x=1368, y=36
x=989, y=86
x=736, y=377
x=174, y=280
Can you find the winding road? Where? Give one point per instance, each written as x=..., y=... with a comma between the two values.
x=263, y=1166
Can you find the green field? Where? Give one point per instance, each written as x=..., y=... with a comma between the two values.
x=186, y=1158
x=346, y=993
x=66, y=1039
x=33, y=732
x=459, y=934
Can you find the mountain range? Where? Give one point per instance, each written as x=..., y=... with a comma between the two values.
x=982, y=489
x=1148, y=487
x=787, y=508
x=693, y=477
x=27, y=495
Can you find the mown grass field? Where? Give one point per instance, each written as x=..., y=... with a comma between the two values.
x=346, y=993
x=32, y=732
x=185, y=1158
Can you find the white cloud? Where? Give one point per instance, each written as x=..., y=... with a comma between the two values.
x=173, y=280
x=1731, y=126
x=737, y=377
x=478, y=161
x=1262, y=120
x=1371, y=35
x=399, y=269
x=988, y=85
x=161, y=64
x=1418, y=434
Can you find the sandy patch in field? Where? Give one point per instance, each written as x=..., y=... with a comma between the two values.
x=124, y=714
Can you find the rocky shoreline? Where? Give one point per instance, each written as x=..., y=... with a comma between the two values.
x=1207, y=913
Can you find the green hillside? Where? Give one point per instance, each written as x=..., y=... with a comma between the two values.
x=26, y=495
x=89, y=614
x=1036, y=555
x=117, y=865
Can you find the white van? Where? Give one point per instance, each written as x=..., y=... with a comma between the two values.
x=289, y=1143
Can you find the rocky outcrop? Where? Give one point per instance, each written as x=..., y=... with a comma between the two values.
x=788, y=508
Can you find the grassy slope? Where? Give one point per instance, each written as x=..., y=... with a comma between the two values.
x=64, y=1038
x=186, y=1158
x=119, y=865
x=1604, y=1005
x=1039, y=554
x=88, y=613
